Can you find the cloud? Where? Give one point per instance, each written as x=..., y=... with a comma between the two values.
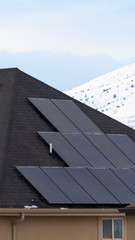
x=60, y=70
x=82, y=29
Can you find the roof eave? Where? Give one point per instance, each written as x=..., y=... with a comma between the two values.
x=60, y=212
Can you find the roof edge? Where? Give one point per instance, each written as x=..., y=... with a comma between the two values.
x=60, y=212
x=10, y=68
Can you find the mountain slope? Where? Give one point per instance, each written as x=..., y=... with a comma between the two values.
x=113, y=94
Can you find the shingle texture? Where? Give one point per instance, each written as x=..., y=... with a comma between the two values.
x=20, y=145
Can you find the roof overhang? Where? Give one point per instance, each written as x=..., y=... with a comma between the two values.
x=59, y=212
x=128, y=210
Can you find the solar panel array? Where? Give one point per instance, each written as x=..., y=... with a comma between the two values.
x=95, y=150
x=81, y=185
x=64, y=115
x=101, y=166
x=79, y=141
x=64, y=149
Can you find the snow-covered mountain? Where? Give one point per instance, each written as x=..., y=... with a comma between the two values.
x=112, y=94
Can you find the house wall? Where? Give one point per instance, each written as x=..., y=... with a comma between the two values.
x=131, y=227
x=5, y=228
x=50, y=228
x=59, y=228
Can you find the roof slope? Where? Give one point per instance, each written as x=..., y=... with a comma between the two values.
x=20, y=145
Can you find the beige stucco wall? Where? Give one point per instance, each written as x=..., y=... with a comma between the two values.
x=5, y=228
x=131, y=227
x=58, y=228
x=50, y=228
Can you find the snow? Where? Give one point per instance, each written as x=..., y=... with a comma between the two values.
x=29, y=207
x=112, y=94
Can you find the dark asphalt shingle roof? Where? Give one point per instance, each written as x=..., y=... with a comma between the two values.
x=20, y=145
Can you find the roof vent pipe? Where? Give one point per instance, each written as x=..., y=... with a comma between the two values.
x=50, y=148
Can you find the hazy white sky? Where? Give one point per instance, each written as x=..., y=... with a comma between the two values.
x=67, y=42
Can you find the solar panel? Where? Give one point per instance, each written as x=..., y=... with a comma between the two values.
x=74, y=113
x=82, y=185
x=109, y=149
x=126, y=145
x=87, y=150
x=53, y=114
x=94, y=187
x=127, y=176
x=44, y=185
x=68, y=185
x=119, y=190
x=64, y=149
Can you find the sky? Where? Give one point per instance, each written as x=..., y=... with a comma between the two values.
x=66, y=43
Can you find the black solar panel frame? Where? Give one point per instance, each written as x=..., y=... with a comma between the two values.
x=119, y=190
x=125, y=144
x=127, y=176
x=78, y=117
x=53, y=114
x=87, y=150
x=64, y=149
x=110, y=150
x=92, y=185
x=68, y=185
x=44, y=185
